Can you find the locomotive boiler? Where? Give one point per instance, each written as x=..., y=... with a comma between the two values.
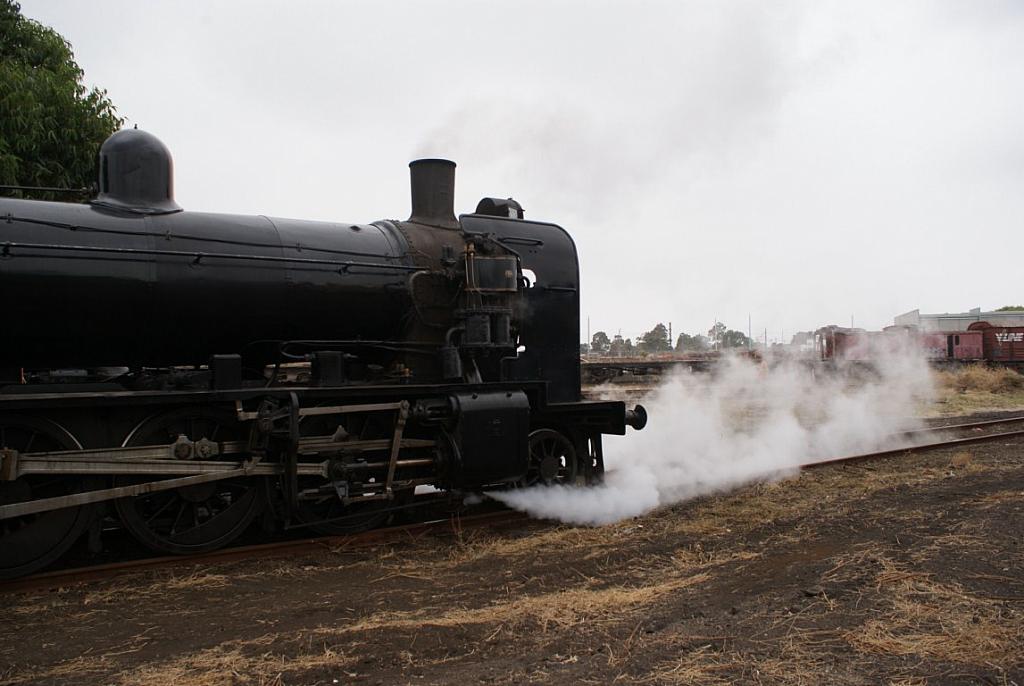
x=184, y=372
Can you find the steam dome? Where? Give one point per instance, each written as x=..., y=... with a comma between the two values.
x=136, y=174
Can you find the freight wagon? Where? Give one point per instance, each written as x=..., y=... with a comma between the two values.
x=1001, y=344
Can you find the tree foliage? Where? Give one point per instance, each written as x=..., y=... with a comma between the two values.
x=716, y=332
x=51, y=125
x=617, y=346
x=620, y=347
x=600, y=342
x=1011, y=308
x=655, y=340
x=687, y=343
x=724, y=337
x=734, y=339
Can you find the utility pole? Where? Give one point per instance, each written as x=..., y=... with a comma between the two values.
x=670, y=346
x=589, y=339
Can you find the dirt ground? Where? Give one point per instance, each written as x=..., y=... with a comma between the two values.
x=908, y=571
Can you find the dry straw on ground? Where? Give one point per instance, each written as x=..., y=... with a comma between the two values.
x=238, y=662
x=976, y=388
x=979, y=378
x=940, y=621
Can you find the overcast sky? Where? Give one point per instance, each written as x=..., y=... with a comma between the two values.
x=803, y=162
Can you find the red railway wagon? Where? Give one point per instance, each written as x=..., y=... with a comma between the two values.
x=953, y=345
x=1001, y=344
x=839, y=343
x=856, y=345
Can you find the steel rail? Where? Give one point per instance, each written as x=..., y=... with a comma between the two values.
x=67, y=577
x=863, y=457
x=959, y=427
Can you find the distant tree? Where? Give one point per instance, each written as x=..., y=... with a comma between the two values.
x=628, y=348
x=600, y=343
x=616, y=346
x=687, y=343
x=51, y=125
x=584, y=348
x=655, y=340
x=734, y=339
x=715, y=334
x=1011, y=308
x=724, y=337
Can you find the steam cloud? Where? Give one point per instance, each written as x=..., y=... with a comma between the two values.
x=746, y=423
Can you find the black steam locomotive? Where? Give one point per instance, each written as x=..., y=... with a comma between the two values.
x=193, y=370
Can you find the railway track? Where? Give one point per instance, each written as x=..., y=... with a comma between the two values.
x=933, y=445
x=67, y=577
x=981, y=424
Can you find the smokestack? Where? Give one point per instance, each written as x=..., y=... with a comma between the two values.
x=433, y=193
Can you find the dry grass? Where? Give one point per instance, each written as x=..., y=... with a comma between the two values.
x=559, y=609
x=797, y=666
x=252, y=661
x=585, y=601
x=963, y=460
x=232, y=663
x=940, y=621
x=937, y=547
x=130, y=587
x=75, y=670
x=480, y=545
x=976, y=389
x=704, y=521
x=484, y=548
x=796, y=659
x=860, y=561
x=239, y=662
x=830, y=493
x=999, y=497
x=702, y=665
x=908, y=614
x=148, y=586
x=740, y=511
x=193, y=580
x=978, y=378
